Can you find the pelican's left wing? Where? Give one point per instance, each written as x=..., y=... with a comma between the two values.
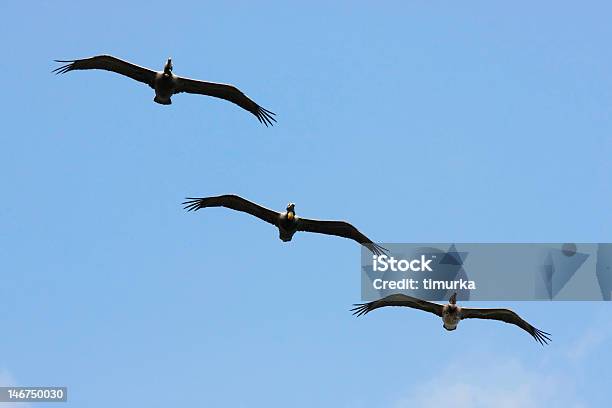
x=109, y=63
x=340, y=229
x=227, y=92
x=398, y=300
x=508, y=316
x=233, y=202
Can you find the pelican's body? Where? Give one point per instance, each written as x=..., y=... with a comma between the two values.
x=451, y=314
x=166, y=84
x=287, y=224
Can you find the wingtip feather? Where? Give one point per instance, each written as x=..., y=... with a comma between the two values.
x=64, y=68
x=265, y=116
x=360, y=309
x=192, y=204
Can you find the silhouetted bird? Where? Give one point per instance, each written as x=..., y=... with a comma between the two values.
x=167, y=84
x=452, y=314
x=287, y=222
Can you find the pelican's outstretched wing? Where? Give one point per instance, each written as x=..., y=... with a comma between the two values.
x=109, y=63
x=398, y=300
x=235, y=203
x=340, y=229
x=227, y=92
x=508, y=316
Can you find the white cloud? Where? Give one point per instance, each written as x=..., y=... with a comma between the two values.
x=591, y=339
x=490, y=383
x=492, y=380
x=7, y=380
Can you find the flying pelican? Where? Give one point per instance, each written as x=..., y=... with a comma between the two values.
x=452, y=314
x=287, y=222
x=167, y=84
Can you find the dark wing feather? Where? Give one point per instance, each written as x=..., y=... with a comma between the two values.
x=398, y=300
x=508, y=316
x=109, y=63
x=227, y=92
x=340, y=229
x=233, y=202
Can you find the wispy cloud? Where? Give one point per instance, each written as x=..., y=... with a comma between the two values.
x=492, y=383
x=590, y=339
x=7, y=380
x=551, y=379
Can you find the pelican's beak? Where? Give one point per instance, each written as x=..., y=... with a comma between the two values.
x=290, y=216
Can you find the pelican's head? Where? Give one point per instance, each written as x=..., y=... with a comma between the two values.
x=290, y=211
x=168, y=67
x=453, y=299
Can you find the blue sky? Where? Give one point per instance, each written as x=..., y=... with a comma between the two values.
x=416, y=122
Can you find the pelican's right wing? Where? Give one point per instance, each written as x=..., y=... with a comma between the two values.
x=339, y=229
x=110, y=63
x=398, y=300
x=233, y=202
x=506, y=316
x=227, y=92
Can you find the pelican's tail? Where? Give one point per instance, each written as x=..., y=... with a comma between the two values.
x=161, y=101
